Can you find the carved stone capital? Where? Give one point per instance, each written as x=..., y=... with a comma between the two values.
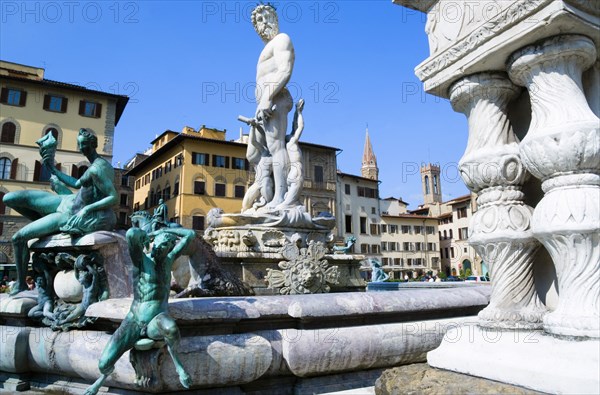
x=492, y=154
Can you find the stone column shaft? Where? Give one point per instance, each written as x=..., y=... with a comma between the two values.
x=500, y=229
x=562, y=148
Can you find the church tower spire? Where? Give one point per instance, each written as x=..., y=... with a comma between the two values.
x=369, y=162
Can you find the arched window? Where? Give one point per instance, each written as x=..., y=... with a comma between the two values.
x=5, y=167
x=445, y=235
x=450, y=233
x=167, y=192
x=9, y=130
x=435, y=185
x=426, y=185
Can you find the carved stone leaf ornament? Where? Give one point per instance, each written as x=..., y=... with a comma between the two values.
x=305, y=271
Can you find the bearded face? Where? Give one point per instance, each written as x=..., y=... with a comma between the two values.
x=265, y=23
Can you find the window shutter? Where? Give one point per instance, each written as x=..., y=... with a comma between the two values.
x=81, y=107
x=23, y=99
x=37, y=171
x=214, y=160
x=13, y=169
x=227, y=162
x=98, y=110
x=194, y=158
x=46, y=102
x=63, y=105
x=4, y=95
x=74, y=171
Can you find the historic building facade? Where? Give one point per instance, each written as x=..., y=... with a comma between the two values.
x=32, y=106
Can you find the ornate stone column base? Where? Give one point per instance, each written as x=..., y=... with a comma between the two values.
x=561, y=148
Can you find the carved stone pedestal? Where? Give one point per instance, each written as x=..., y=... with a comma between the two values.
x=500, y=229
x=562, y=149
x=285, y=260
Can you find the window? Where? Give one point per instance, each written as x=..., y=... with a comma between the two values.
x=147, y=179
x=198, y=159
x=136, y=207
x=9, y=131
x=179, y=160
x=159, y=172
x=367, y=192
x=384, y=246
x=374, y=248
x=219, y=189
x=55, y=103
x=167, y=193
x=461, y=212
x=405, y=229
x=199, y=188
x=452, y=252
x=90, y=109
x=363, y=225
x=431, y=247
x=239, y=191
x=393, y=228
x=5, y=168
x=124, y=181
x=447, y=253
x=176, y=188
x=373, y=210
x=383, y=228
x=465, y=250
x=364, y=248
x=122, y=218
x=445, y=235
x=374, y=229
x=347, y=189
x=318, y=175
x=220, y=161
x=123, y=201
x=137, y=184
x=435, y=185
x=392, y=245
x=239, y=163
x=429, y=230
x=409, y=262
x=463, y=233
x=198, y=222
x=384, y=261
x=418, y=230
x=41, y=172
x=426, y=185
x=398, y=262
x=451, y=236
x=168, y=167
x=348, y=223
x=13, y=97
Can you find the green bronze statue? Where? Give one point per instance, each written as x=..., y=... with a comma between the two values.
x=89, y=210
x=148, y=319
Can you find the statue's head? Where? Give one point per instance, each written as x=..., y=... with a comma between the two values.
x=264, y=19
x=163, y=244
x=86, y=141
x=160, y=201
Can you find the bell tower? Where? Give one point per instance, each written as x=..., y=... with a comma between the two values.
x=369, y=163
x=430, y=179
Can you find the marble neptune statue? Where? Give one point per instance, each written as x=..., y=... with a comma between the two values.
x=88, y=210
x=274, y=102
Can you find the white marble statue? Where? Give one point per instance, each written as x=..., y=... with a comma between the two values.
x=274, y=101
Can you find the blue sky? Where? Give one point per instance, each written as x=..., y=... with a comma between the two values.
x=193, y=63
